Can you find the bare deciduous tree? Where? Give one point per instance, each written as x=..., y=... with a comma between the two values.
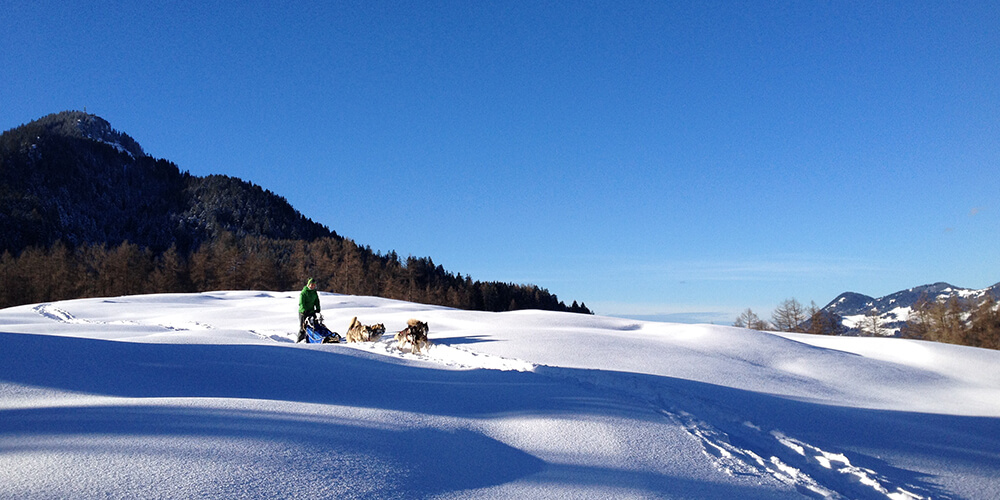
x=788, y=316
x=749, y=319
x=871, y=325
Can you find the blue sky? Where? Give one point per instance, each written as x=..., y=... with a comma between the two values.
x=670, y=159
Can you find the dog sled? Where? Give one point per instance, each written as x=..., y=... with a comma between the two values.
x=318, y=333
x=414, y=335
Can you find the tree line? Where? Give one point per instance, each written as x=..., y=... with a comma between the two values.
x=956, y=321
x=229, y=262
x=792, y=316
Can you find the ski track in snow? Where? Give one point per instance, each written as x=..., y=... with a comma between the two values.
x=814, y=472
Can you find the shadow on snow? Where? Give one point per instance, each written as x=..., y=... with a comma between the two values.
x=440, y=460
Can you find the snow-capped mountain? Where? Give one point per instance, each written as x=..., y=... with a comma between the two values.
x=894, y=309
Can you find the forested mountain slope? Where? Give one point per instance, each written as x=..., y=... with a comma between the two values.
x=84, y=211
x=71, y=177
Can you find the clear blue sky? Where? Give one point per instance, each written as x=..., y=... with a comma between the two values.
x=684, y=160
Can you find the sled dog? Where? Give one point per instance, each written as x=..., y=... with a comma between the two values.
x=414, y=334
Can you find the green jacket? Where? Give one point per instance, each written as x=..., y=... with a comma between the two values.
x=308, y=301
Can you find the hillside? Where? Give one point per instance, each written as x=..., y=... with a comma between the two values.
x=895, y=310
x=83, y=204
x=205, y=395
x=70, y=177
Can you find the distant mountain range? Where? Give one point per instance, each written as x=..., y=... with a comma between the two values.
x=894, y=309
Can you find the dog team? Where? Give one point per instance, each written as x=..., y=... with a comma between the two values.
x=414, y=335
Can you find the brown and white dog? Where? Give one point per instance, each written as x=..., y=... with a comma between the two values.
x=357, y=332
x=414, y=334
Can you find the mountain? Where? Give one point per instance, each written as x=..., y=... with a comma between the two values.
x=70, y=177
x=83, y=202
x=894, y=309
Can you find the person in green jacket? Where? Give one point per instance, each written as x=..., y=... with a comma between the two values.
x=308, y=306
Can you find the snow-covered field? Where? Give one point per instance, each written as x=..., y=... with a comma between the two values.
x=206, y=395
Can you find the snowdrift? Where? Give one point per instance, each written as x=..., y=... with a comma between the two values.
x=168, y=396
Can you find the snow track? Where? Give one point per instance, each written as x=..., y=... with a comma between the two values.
x=51, y=312
x=811, y=470
x=54, y=313
x=741, y=448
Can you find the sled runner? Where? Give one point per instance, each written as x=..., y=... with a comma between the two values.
x=318, y=333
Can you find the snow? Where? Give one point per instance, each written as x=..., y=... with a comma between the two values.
x=198, y=395
x=100, y=132
x=854, y=321
x=899, y=313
